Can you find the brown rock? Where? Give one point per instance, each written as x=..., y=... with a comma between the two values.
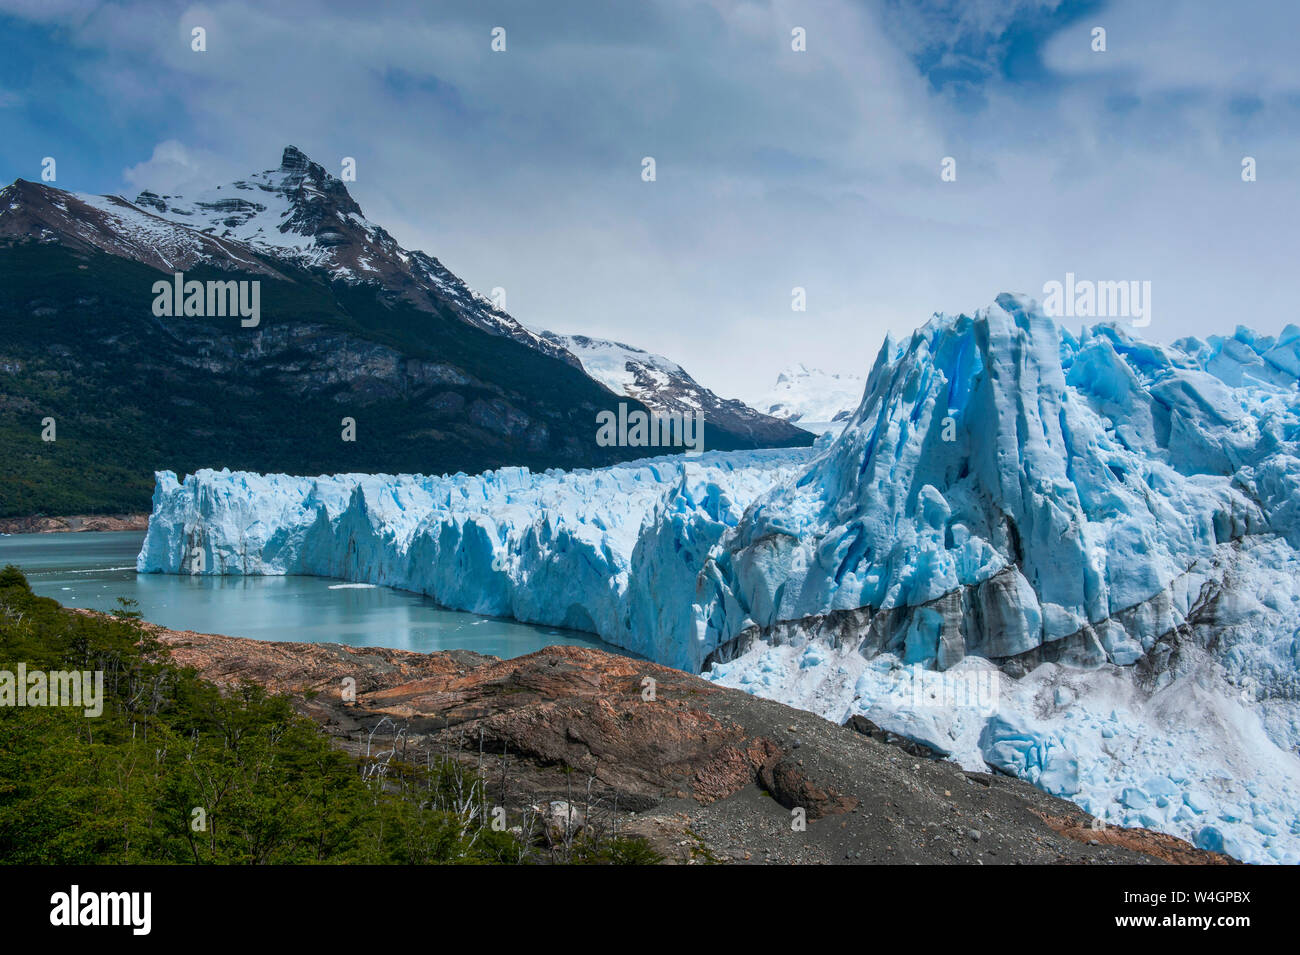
x=76, y=522
x=702, y=771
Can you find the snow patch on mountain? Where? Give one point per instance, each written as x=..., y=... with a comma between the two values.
x=624, y=370
x=36, y=212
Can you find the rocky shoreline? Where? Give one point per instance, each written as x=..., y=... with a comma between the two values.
x=74, y=523
x=705, y=773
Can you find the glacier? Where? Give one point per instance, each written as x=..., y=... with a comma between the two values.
x=607, y=551
x=1105, y=531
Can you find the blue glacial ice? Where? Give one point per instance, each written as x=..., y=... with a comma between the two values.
x=607, y=551
x=1103, y=530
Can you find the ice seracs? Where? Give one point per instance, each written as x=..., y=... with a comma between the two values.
x=609, y=551
x=1110, y=525
x=1006, y=488
x=1089, y=504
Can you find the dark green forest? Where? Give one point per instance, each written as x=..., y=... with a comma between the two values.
x=131, y=393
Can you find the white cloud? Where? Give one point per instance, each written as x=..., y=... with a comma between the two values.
x=776, y=169
x=176, y=169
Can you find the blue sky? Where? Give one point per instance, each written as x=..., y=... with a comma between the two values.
x=776, y=169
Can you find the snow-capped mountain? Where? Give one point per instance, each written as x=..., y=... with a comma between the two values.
x=300, y=213
x=431, y=378
x=296, y=214
x=665, y=387
x=1075, y=559
x=812, y=399
x=350, y=323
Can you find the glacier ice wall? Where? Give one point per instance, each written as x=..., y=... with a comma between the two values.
x=614, y=551
x=1006, y=487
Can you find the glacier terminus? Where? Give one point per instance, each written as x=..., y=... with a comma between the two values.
x=1071, y=557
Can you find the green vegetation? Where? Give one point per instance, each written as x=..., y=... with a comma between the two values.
x=175, y=771
x=620, y=850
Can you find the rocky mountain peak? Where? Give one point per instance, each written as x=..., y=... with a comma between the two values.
x=294, y=159
x=321, y=202
x=297, y=206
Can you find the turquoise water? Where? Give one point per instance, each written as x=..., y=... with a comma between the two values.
x=92, y=570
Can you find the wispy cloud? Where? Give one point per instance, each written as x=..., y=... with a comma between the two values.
x=177, y=169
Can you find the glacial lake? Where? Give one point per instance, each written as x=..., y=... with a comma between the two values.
x=92, y=570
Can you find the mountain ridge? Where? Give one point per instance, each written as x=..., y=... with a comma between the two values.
x=302, y=213
x=663, y=385
x=355, y=327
